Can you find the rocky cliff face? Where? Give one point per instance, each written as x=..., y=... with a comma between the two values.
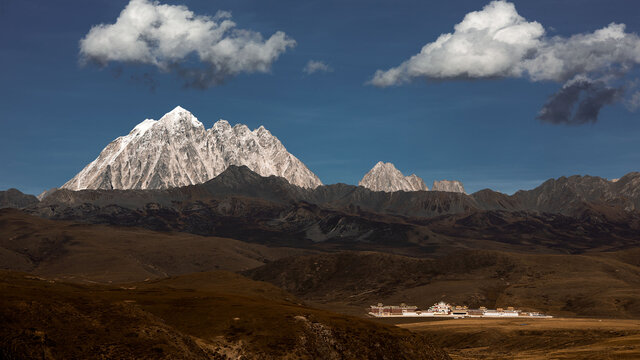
x=177, y=150
x=448, y=185
x=385, y=177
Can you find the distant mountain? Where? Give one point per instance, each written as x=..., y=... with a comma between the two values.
x=385, y=177
x=449, y=186
x=243, y=205
x=177, y=150
x=14, y=198
x=570, y=195
x=567, y=196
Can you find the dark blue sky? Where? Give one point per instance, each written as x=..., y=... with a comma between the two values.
x=56, y=116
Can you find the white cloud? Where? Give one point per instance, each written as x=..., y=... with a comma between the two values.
x=487, y=43
x=604, y=52
x=316, y=66
x=167, y=36
x=497, y=42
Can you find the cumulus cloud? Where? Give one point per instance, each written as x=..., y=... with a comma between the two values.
x=204, y=50
x=487, y=43
x=316, y=66
x=497, y=42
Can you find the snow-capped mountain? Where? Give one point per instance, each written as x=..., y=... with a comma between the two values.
x=448, y=185
x=177, y=150
x=385, y=177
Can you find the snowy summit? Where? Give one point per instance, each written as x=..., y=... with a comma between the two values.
x=385, y=177
x=177, y=150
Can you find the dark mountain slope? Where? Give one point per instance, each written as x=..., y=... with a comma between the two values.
x=567, y=196
x=243, y=205
x=596, y=228
x=14, y=198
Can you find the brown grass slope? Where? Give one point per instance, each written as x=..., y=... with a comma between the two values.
x=83, y=252
x=211, y=315
x=597, y=284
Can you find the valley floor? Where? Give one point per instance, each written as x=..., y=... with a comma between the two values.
x=558, y=338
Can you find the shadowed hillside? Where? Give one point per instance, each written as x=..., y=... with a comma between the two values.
x=214, y=315
x=83, y=252
x=14, y=198
x=594, y=283
x=599, y=284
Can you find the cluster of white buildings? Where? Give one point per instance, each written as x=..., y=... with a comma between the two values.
x=443, y=309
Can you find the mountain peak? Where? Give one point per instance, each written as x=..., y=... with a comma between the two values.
x=180, y=115
x=262, y=131
x=190, y=154
x=221, y=125
x=385, y=177
x=177, y=113
x=178, y=109
x=384, y=165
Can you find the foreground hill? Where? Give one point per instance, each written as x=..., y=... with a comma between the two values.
x=214, y=315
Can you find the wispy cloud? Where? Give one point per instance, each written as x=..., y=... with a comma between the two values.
x=314, y=66
x=203, y=50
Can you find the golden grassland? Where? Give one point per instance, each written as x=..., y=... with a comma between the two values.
x=534, y=339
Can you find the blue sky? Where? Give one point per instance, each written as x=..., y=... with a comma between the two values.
x=56, y=115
